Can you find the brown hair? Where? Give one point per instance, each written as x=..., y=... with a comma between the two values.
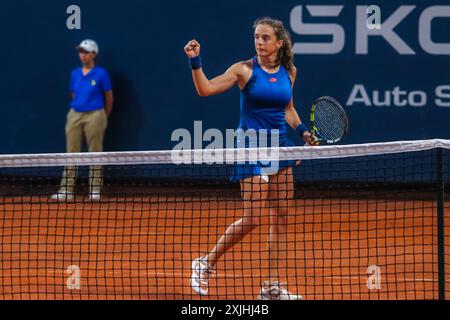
x=285, y=54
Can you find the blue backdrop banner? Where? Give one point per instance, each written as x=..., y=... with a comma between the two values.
x=392, y=75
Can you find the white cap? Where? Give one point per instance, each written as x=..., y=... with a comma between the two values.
x=89, y=45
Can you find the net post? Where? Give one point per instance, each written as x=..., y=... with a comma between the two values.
x=440, y=221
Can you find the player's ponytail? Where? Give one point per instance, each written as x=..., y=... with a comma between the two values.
x=285, y=54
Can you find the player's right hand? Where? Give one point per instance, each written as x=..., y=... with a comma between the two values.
x=192, y=49
x=310, y=138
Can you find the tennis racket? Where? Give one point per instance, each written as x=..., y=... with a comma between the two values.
x=329, y=121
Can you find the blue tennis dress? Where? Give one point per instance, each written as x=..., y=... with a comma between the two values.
x=263, y=103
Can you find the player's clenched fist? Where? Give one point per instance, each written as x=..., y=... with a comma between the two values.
x=192, y=49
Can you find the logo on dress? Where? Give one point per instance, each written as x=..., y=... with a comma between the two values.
x=273, y=80
x=93, y=83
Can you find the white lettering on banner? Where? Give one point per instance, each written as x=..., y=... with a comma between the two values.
x=359, y=95
x=386, y=30
x=396, y=97
x=417, y=99
x=443, y=96
x=335, y=30
x=365, y=30
x=377, y=100
x=425, y=29
x=399, y=97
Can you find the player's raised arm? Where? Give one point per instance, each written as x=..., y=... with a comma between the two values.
x=204, y=86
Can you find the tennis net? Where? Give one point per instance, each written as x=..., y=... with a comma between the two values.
x=364, y=222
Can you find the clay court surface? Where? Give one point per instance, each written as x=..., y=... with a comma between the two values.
x=142, y=248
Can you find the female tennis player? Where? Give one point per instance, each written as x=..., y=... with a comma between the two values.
x=266, y=84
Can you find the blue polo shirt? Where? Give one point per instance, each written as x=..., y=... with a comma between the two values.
x=89, y=89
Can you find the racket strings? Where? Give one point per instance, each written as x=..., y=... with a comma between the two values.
x=330, y=121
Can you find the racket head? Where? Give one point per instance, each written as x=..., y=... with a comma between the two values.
x=329, y=120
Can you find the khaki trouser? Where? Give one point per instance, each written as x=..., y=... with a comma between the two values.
x=92, y=125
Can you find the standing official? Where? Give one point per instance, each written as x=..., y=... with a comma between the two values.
x=92, y=102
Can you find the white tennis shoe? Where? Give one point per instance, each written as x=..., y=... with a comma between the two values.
x=201, y=273
x=276, y=291
x=94, y=196
x=62, y=196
